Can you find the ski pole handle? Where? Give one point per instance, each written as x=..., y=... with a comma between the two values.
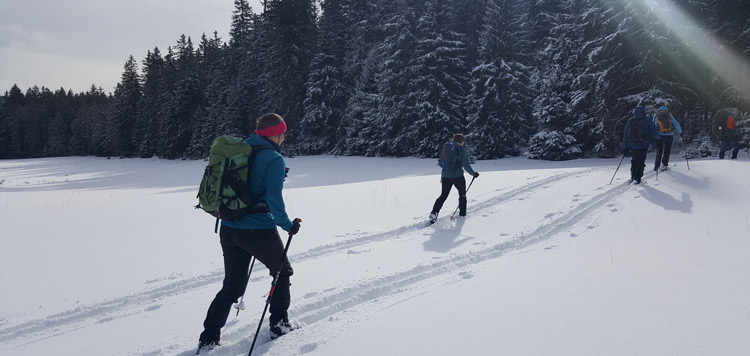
x=296, y=220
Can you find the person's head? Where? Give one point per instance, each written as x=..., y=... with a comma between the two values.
x=271, y=126
x=459, y=139
x=639, y=112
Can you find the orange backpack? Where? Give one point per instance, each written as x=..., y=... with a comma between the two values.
x=664, y=120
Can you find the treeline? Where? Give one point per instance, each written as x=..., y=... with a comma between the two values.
x=550, y=79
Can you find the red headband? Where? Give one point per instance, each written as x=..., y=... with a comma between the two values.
x=273, y=130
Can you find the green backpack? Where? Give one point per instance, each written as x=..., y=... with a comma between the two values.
x=224, y=190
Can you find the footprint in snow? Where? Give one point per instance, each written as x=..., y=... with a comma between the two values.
x=153, y=307
x=308, y=348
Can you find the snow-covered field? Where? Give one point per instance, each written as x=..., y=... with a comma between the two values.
x=109, y=257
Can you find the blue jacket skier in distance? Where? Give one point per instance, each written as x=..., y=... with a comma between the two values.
x=454, y=178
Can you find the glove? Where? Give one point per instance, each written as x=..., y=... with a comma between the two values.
x=476, y=174
x=295, y=227
x=286, y=173
x=625, y=151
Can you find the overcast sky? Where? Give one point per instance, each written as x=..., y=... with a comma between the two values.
x=76, y=43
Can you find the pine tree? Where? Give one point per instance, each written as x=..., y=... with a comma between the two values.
x=362, y=62
x=90, y=118
x=629, y=66
x=10, y=128
x=127, y=95
x=150, y=104
x=327, y=89
x=499, y=116
x=438, y=88
x=395, y=55
x=58, y=142
x=213, y=77
x=559, y=61
x=289, y=28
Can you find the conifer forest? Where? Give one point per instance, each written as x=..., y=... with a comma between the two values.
x=552, y=80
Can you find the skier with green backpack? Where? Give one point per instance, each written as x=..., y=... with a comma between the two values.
x=242, y=187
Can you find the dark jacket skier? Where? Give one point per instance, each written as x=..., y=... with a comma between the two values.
x=638, y=131
x=723, y=128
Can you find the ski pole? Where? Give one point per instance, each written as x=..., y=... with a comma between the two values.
x=684, y=149
x=270, y=293
x=241, y=305
x=618, y=168
x=459, y=204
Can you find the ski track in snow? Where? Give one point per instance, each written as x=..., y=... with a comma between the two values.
x=316, y=307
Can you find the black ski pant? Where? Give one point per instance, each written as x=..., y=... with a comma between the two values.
x=725, y=145
x=663, y=150
x=447, y=184
x=239, y=246
x=637, y=163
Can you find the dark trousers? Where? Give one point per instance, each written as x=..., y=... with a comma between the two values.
x=663, y=150
x=447, y=184
x=637, y=163
x=725, y=145
x=239, y=246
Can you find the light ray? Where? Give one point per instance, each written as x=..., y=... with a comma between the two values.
x=714, y=54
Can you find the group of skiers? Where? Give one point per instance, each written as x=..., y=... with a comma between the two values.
x=659, y=128
x=255, y=235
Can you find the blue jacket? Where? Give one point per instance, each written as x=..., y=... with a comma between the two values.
x=459, y=172
x=648, y=128
x=266, y=182
x=675, y=124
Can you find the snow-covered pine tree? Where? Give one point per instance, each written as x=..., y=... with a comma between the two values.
x=290, y=32
x=58, y=137
x=436, y=95
x=499, y=119
x=394, y=55
x=238, y=100
x=186, y=95
x=10, y=127
x=149, y=105
x=362, y=62
x=211, y=53
x=556, y=40
x=88, y=124
x=328, y=90
x=127, y=95
x=632, y=62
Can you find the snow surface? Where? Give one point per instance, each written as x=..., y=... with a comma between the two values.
x=108, y=257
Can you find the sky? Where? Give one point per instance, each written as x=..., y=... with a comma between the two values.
x=108, y=257
x=76, y=43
